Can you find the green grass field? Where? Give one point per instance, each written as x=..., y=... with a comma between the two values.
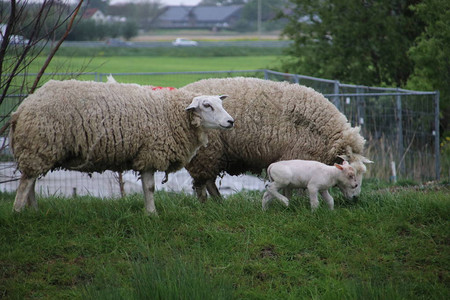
x=392, y=244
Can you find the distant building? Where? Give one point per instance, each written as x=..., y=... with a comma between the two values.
x=94, y=14
x=99, y=17
x=211, y=17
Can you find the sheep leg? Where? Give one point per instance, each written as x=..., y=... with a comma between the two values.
x=272, y=188
x=313, y=198
x=25, y=193
x=200, y=191
x=148, y=185
x=328, y=198
x=212, y=189
x=267, y=198
x=31, y=201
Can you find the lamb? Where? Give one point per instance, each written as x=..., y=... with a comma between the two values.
x=274, y=121
x=93, y=127
x=316, y=177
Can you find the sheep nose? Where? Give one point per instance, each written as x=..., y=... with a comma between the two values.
x=231, y=122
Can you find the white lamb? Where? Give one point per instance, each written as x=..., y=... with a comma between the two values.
x=315, y=176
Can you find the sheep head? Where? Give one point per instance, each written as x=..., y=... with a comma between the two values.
x=358, y=162
x=209, y=113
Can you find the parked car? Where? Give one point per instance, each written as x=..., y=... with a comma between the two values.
x=184, y=42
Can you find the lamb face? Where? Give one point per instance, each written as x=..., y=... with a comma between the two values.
x=348, y=182
x=358, y=163
x=211, y=112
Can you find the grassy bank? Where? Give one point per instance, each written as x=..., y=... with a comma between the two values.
x=229, y=51
x=392, y=244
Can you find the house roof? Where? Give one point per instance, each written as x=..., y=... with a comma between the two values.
x=215, y=13
x=200, y=13
x=176, y=13
x=88, y=13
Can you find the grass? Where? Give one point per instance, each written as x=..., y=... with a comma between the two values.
x=119, y=64
x=392, y=244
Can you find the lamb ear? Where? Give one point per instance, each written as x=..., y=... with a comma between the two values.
x=223, y=97
x=194, y=104
x=344, y=163
x=339, y=167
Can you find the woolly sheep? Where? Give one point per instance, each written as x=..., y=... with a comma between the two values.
x=93, y=127
x=274, y=121
x=316, y=177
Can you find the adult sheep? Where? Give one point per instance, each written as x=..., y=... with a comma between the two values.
x=274, y=121
x=93, y=127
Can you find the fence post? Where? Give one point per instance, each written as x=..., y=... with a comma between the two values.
x=401, y=164
x=336, y=97
x=296, y=79
x=266, y=74
x=360, y=99
x=436, y=137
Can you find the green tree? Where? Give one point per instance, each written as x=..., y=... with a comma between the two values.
x=362, y=42
x=129, y=30
x=269, y=11
x=431, y=54
x=100, y=4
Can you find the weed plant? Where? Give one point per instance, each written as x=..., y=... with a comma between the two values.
x=393, y=243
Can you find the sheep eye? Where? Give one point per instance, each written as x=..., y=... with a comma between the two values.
x=207, y=105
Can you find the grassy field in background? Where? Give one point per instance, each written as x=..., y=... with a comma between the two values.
x=144, y=64
x=120, y=64
x=392, y=244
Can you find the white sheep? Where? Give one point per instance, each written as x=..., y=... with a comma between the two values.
x=316, y=177
x=274, y=121
x=93, y=127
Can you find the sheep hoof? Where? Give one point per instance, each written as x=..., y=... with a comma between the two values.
x=153, y=214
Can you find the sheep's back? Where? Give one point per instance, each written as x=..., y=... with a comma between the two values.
x=83, y=125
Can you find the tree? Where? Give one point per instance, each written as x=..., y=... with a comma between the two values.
x=38, y=24
x=362, y=42
x=102, y=5
x=269, y=11
x=141, y=13
x=431, y=54
x=129, y=30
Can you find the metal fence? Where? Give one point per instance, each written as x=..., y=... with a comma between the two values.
x=401, y=126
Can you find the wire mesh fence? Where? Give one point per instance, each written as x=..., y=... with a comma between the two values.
x=401, y=128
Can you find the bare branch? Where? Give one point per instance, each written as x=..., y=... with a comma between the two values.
x=55, y=49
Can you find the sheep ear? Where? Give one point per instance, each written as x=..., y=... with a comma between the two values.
x=194, y=104
x=343, y=157
x=366, y=160
x=344, y=163
x=223, y=97
x=339, y=167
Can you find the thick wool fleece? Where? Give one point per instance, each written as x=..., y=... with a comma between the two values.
x=273, y=121
x=90, y=126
